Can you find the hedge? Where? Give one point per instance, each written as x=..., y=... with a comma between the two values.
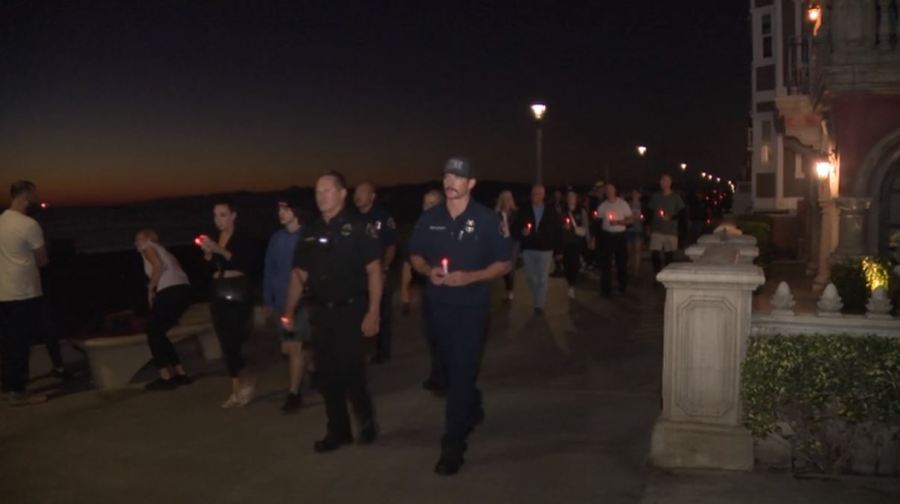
x=831, y=391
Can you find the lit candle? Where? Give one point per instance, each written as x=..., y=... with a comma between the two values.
x=285, y=321
x=594, y=215
x=445, y=265
x=611, y=217
x=662, y=213
x=568, y=221
x=528, y=226
x=199, y=240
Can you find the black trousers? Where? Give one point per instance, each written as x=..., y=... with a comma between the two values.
x=231, y=319
x=460, y=335
x=572, y=262
x=383, y=343
x=338, y=340
x=168, y=307
x=438, y=374
x=613, y=246
x=20, y=325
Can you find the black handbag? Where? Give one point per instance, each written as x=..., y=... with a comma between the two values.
x=234, y=289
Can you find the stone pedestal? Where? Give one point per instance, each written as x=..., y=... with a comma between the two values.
x=851, y=226
x=707, y=322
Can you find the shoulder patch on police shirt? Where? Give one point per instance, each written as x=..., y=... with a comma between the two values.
x=372, y=231
x=391, y=224
x=346, y=229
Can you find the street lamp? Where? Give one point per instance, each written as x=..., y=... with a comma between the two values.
x=538, y=109
x=718, y=179
x=683, y=166
x=641, y=150
x=814, y=13
x=703, y=175
x=823, y=169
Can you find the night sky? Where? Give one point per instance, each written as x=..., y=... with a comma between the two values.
x=121, y=101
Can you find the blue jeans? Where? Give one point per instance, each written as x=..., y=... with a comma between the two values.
x=537, y=270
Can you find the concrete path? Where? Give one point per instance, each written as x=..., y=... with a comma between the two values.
x=570, y=399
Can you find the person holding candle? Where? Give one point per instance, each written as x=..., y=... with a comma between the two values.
x=576, y=233
x=507, y=212
x=664, y=206
x=635, y=234
x=232, y=258
x=541, y=230
x=616, y=215
x=460, y=247
x=297, y=343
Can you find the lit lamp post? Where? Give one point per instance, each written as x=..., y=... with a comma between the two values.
x=641, y=150
x=826, y=231
x=683, y=166
x=538, y=110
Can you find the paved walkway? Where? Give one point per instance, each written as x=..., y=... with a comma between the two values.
x=570, y=399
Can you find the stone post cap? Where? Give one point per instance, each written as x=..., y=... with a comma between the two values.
x=711, y=239
x=740, y=276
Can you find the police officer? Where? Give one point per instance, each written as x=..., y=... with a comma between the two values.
x=459, y=246
x=378, y=217
x=339, y=261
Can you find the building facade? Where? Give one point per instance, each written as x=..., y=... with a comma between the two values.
x=780, y=168
x=833, y=67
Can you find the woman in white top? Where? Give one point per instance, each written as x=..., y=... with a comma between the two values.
x=169, y=294
x=507, y=213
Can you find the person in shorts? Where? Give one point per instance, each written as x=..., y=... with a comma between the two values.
x=295, y=343
x=665, y=207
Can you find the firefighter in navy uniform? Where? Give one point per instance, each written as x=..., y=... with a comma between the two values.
x=339, y=262
x=373, y=213
x=459, y=246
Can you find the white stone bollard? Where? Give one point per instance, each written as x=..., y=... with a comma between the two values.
x=783, y=301
x=707, y=322
x=830, y=303
x=879, y=305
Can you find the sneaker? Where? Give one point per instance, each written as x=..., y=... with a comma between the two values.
x=160, y=384
x=571, y=293
x=292, y=403
x=182, y=379
x=245, y=395
x=25, y=399
x=232, y=402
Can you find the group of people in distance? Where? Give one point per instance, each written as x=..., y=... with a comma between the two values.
x=326, y=287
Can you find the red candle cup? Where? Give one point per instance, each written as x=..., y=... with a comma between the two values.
x=445, y=265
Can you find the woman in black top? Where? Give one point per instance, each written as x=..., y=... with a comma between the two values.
x=232, y=259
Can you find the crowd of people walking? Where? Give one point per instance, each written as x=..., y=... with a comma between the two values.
x=326, y=286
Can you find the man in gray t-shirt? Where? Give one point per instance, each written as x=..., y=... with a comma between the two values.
x=664, y=207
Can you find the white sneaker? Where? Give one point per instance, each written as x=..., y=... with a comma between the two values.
x=232, y=402
x=571, y=293
x=245, y=395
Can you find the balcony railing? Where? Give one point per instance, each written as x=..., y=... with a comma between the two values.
x=858, y=44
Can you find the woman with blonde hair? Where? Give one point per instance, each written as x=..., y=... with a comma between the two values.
x=168, y=293
x=507, y=212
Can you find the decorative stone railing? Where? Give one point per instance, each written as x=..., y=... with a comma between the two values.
x=828, y=319
x=857, y=45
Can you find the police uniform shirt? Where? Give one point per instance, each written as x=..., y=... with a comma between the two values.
x=383, y=224
x=473, y=241
x=335, y=256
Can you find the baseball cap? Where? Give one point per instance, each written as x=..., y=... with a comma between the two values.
x=459, y=166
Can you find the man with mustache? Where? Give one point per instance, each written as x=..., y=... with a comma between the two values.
x=460, y=248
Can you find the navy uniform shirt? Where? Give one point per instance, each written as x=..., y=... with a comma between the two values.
x=335, y=256
x=472, y=241
x=383, y=224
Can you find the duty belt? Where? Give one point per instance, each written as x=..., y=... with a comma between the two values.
x=339, y=303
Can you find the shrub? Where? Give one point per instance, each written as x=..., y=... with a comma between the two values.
x=832, y=391
x=856, y=278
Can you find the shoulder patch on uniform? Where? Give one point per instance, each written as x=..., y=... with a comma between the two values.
x=346, y=229
x=391, y=224
x=372, y=231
